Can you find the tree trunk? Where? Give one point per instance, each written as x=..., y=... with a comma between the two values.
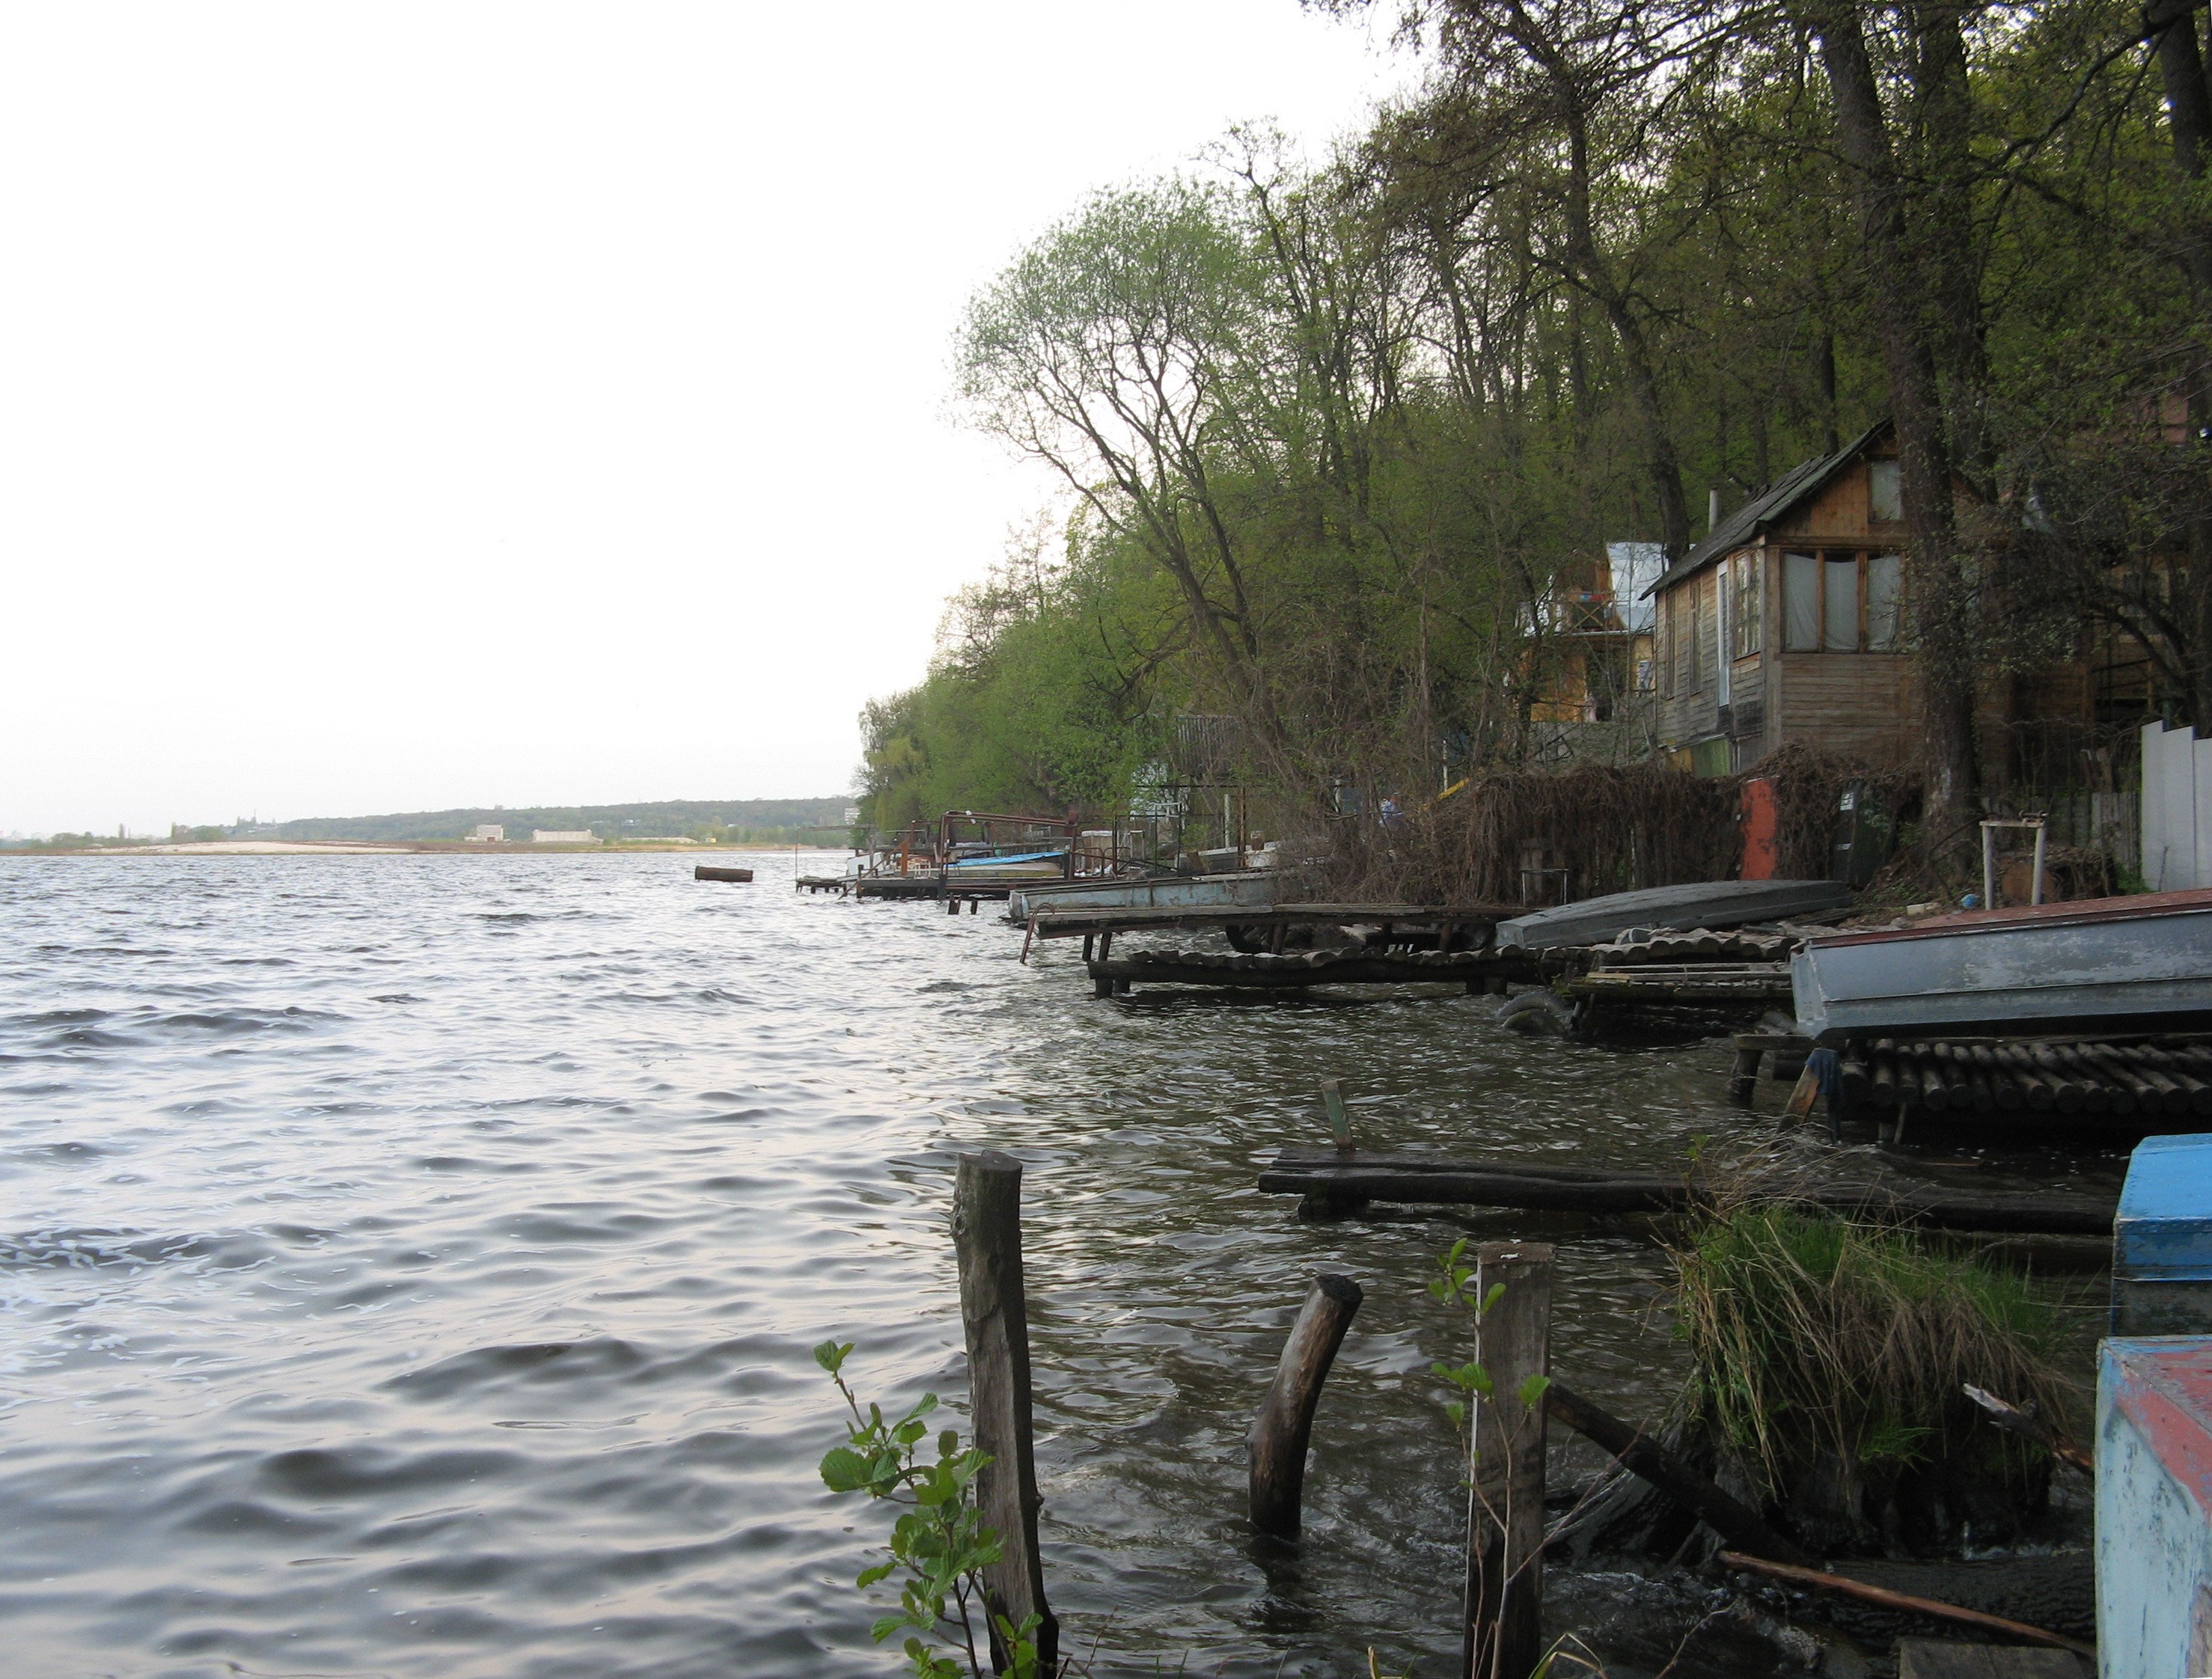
x=1941, y=597
x=2172, y=28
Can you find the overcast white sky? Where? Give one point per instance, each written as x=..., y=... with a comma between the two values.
x=409, y=406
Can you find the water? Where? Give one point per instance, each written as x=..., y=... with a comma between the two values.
x=410, y=1266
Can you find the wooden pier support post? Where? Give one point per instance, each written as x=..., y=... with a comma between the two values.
x=1503, y=1637
x=1284, y=1428
x=987, y=1235
x=1743, y=1077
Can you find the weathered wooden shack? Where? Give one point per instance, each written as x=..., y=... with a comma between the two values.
x=1785, y=624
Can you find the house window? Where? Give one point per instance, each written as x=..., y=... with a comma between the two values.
x=1744, y=615
x=1839, y=604
x=1842, y=603
x=1801, y=603
x=1885, y=591
x=1685, y=602
x=1885, y=493
x=1709, y=628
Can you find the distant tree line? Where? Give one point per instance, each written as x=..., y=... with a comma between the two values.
x=763, y=819
x=1330, y=433
x=739, y=821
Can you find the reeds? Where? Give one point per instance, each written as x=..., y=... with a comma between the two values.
x=1829, y=1358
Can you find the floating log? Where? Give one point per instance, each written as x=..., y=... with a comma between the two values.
x=986, y=1235
x=708, y=872
x=1900, y=1600
x=1736, y=1523
x=1505, y=1502
x=1423, y=1180
x=1284, y=1428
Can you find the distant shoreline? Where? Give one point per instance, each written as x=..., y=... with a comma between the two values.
x=398, y=848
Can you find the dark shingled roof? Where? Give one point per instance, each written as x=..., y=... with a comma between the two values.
x=1738, y=529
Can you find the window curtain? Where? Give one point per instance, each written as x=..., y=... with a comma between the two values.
x=1801, y=603
x=1839, y=605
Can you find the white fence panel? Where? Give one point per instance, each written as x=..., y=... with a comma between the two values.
x=2177, y=808
x=2201, y=812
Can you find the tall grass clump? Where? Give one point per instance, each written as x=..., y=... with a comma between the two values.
x=1829, y=1361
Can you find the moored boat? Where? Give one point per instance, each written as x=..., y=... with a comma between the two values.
x=2098, y=965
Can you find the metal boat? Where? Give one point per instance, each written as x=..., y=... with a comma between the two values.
x=1254, y=888
x=1713, y=903
x=2100, y=964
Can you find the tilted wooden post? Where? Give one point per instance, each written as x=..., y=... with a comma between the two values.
x=1284, y=1426
x=987, y=1234
x=1504, y=1637
x=1339, y=1121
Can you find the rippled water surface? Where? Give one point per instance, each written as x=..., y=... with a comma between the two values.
x=410, y=1264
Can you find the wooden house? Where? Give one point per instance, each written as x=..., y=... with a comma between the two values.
x=1786, y=623
x=1587, y=660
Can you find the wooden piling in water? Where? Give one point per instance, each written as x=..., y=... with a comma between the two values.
x=1284, y=1428
x=1504, y=1635
x=987, y=1235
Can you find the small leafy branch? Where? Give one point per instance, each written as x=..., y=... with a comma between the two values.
x=1453, y=1286
x=938, y=1542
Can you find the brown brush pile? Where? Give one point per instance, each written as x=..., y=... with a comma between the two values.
x=1612, y=828
x=1809, y=786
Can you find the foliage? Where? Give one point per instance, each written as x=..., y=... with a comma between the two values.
x=1452, y=1286
x=939, y=1544
x=1337, y=438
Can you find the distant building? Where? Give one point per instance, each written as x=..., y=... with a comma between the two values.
x=1788, y=622
x=563, y=836
x=489, y=831
x=1588, y=660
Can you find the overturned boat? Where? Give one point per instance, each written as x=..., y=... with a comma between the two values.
x=2101, y=965
x=1716, y=905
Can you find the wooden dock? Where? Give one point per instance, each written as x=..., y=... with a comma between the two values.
x=1433, y=926
x=1477, y=970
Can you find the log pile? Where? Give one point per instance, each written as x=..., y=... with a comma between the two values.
x=2172, y=1078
